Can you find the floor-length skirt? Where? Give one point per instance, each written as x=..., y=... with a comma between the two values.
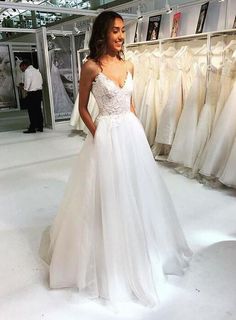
x=116, y=234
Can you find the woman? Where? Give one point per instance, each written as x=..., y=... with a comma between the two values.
x=116, y=234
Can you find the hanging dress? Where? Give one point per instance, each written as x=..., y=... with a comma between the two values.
x=226, y=82
x=219, y=146
x=76, y=121
x=204, y=127
x=167, y=76
x=185, y=137
x=149, y=107
x=228, y=176
x=177, y=95
x=140, y=61
x=62, y=102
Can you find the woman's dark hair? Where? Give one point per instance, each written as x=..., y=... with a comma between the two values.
x=98, y=40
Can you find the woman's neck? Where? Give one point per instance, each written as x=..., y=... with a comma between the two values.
x=108, y=59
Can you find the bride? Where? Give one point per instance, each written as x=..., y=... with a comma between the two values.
x=116, y=235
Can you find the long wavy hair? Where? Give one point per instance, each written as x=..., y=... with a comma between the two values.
x=98, y=40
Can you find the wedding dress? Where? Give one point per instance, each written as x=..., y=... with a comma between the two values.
x=150, y=106
x=76, y=121
x=62, y=103
x=183, y=145
x=140, y=78
x=204, y=127
x=219, y=146
x=116, y=233
x=226, y=83
x=228, y=176
x=167, y=75
x=177, y=96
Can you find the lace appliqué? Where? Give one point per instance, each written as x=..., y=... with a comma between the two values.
x=112, y=99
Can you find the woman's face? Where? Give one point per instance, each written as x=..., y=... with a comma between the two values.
x=116, y=35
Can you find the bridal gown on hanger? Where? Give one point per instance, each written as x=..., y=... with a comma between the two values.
x=226, y=82
x=177, y=96
x=183, y=145
x=150, y=105
x=228, y=176
x=167, y=75
x=221, y=141
x=76, y=121
x=140, y=75
x=116, y=233
x=204, y=127
x=61, y=100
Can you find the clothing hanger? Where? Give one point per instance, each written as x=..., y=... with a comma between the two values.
x=218, y=48
x=85, y=59
x=170, y=51
x=219, y=44
x=18, y=61
x=140, y=52
x=234, y=54
x=179, y=52
x=231, y=45
x=136, y=52
x=202, y=50
x=182, y=51
x=146, y=52
x=156, y=49
x=156, y=54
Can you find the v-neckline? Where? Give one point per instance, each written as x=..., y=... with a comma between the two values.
x=113, y=81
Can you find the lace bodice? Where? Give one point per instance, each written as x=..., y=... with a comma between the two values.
x=110, y=97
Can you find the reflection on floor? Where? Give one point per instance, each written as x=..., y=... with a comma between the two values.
x=13, y=120
x=33, y=174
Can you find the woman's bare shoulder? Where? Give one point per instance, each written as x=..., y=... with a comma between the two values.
x=130, y=66
x=91, y=67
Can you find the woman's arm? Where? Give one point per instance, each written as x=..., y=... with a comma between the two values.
x=88, y=73
x=130, y=67
x=132, y=108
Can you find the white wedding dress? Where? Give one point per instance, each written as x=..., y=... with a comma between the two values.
x=218, y=148
x=116, y=234
x=150, y=105
x=76, y=121
x=62, y=103
x=177, y=94
x=182, y=149
x=206, y=118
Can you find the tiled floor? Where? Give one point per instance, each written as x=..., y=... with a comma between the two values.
x=33, y=173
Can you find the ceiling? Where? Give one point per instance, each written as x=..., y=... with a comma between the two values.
x=20, y=17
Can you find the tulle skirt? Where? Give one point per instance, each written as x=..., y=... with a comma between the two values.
x=116, y=234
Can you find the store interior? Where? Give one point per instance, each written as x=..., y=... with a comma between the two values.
x=34, y=169
x=60, y=30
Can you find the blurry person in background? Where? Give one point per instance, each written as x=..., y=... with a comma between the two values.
x=33, y=85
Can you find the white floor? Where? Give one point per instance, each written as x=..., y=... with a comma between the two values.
x=33, y=173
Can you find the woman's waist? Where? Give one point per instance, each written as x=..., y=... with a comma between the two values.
x=112, y=115
x=113, y=119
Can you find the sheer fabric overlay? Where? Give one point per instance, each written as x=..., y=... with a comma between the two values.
x=116, y=234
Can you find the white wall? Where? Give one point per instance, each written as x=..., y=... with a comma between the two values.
x=231, y=13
